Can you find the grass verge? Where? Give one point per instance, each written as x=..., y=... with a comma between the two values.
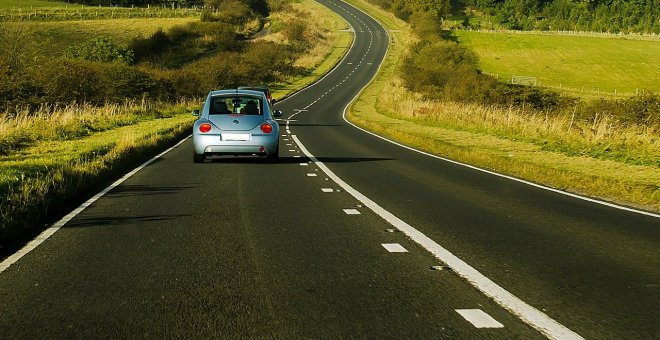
x=333, y=43
x=393, y=112
x=51, y=175
x=50, y=162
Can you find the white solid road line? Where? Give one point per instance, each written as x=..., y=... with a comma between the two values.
x=59, y=224
x=530, y=315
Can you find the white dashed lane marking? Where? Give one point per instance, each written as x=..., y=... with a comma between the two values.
x=394, y=248
x=479, y=318
x=352, y=212
x=311, y=175
x=327, y=190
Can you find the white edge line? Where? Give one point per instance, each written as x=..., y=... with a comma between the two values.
x=530, y=315
x=588, y=199
x=59, y=224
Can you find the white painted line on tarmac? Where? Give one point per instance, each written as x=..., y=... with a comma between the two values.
x=530, y=315
x=327, y=190
x=304, y=164
x=59, y=224
x=352, y=212
x=479, y=318
x=311, y=175
x=527, y=313
x=394, y=248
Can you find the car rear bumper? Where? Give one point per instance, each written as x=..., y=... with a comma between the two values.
x=212, y=145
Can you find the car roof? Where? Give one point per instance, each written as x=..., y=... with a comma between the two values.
x=236, y=91
x=260, y=87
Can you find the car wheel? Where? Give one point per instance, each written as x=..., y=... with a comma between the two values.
x=275, y=156
x=197, y=158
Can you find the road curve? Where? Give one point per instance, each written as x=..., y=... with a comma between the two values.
x=242, y=248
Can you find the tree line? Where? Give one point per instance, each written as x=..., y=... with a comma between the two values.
x=613, y=16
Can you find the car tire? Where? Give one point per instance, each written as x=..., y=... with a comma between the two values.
x=275, y=156
x=197, y=158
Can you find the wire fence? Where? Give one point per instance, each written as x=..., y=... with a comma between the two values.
x=64, y=13
x=590, y=34
x=580, y=91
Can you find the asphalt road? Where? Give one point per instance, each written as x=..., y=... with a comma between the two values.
x=242, y=248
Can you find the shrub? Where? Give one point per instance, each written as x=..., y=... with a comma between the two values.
x=640, y=109
x=432, y=66
x=218, y=35
x=154, y=45
x=234, y=12
x=100, y=49
x=70, y=80
x=125, y=82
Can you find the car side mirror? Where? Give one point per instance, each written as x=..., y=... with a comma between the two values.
x=278, y=113
x=195, y=113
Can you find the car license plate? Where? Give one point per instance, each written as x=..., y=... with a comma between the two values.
x=236, y=137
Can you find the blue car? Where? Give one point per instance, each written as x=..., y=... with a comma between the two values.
x=236, y=123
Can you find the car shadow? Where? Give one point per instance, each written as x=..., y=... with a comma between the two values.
x=145, y=190
x=316, y=125
x=292, y=160
x=115, y=220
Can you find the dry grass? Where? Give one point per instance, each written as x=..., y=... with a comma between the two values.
x=322, y=30
x=48, y=157
x=52, y=38
x=61, y=151
x=603, y=137
x=51, y=123
x=554, y=151
x=326, y=31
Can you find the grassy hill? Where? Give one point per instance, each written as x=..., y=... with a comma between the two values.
x=27, y=4
x=578, y=64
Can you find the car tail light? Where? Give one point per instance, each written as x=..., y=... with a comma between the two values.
x=204, y=128
x=266, y=128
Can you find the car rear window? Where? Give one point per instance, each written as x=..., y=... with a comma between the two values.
x=226, y=105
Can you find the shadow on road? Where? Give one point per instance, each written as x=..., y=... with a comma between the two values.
x=114, y=220
x=142, y=190
x=291, y=160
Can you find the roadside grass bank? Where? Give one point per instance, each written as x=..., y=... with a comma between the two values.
x=54, y=158
x=54, y=37
x=329, y=31
x=578, y=65
x=56, y=172
x=598, y=158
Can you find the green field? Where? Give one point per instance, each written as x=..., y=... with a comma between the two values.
x=577, y=64
x=27, y=4
x=53, y=37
